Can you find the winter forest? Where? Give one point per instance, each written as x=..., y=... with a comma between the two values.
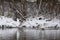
x=29, y=19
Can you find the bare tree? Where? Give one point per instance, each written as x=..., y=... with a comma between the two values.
x=2, y=2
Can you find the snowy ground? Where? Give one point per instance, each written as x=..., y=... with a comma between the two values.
x=8, y=21
x=30, y=22
x=43, y=23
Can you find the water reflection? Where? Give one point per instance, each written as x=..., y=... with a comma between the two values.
x=29, y=34
x=8, y=34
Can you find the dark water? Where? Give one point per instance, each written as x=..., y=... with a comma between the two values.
x=29, y=34
x=8, y=34
x=33, y=34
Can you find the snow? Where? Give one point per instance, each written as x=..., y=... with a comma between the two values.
x=8, y=21
x=30, y=22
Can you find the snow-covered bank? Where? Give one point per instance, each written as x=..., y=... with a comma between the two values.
x=8, y=21
x=30, y=22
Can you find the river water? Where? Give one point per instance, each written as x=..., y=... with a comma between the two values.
x=29, y=34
